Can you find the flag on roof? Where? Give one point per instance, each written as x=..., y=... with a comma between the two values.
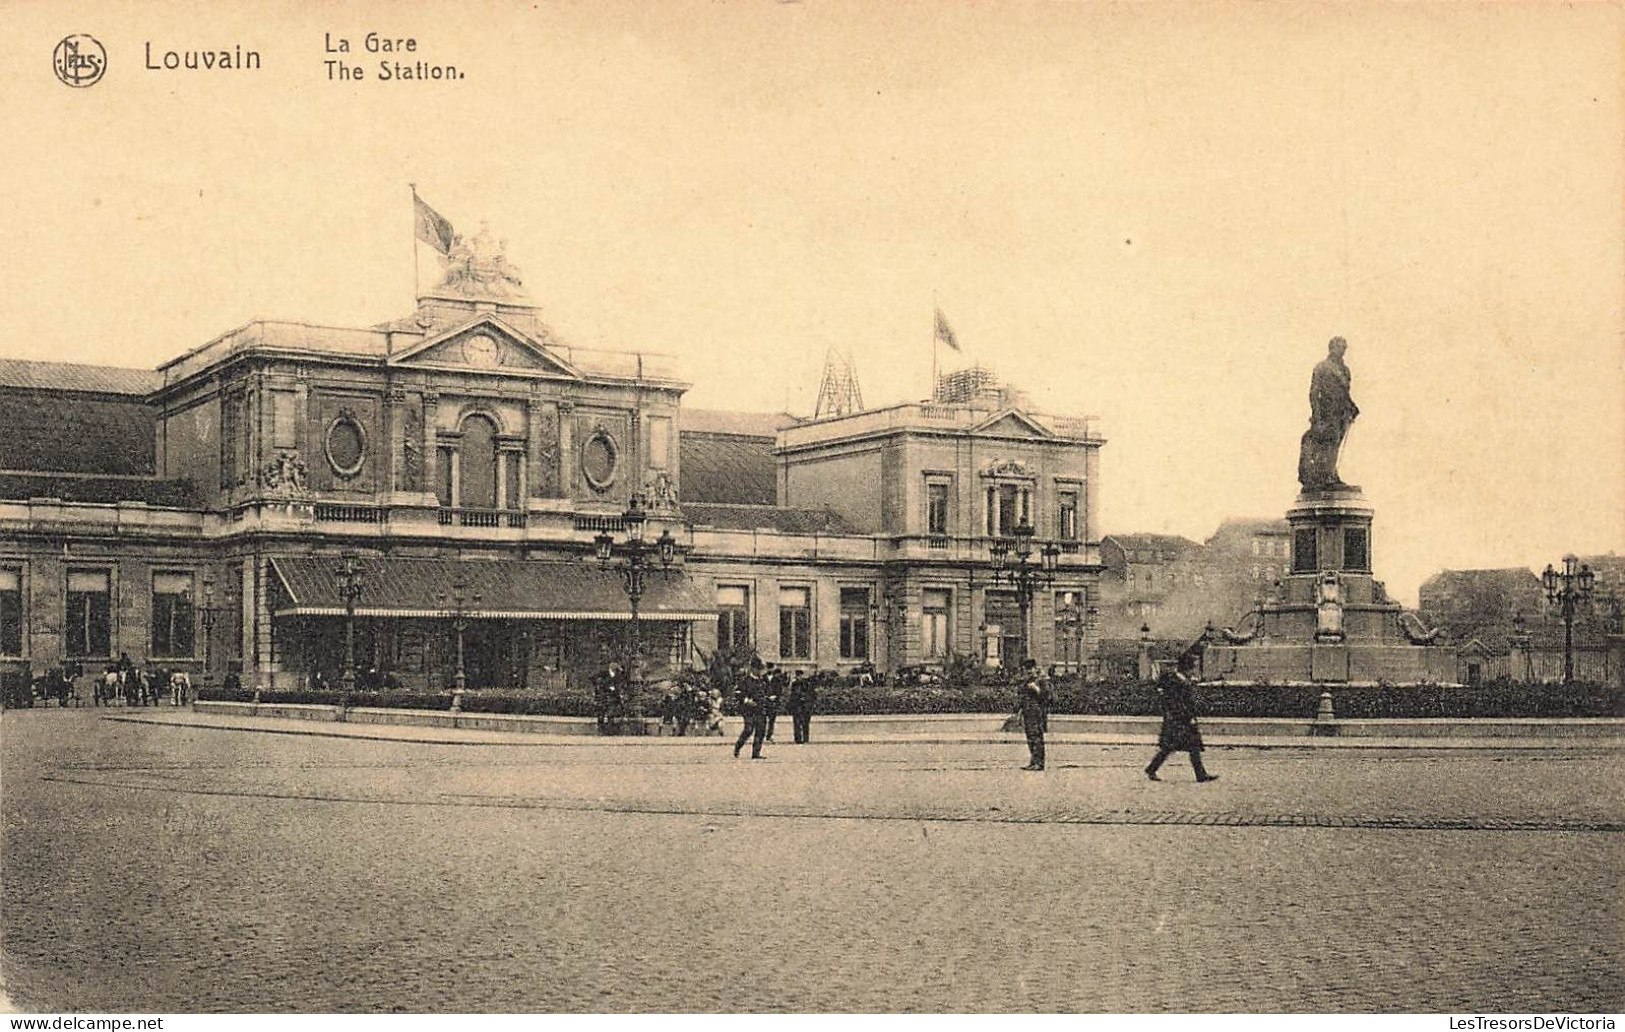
x=945, y=333
x=433, y=228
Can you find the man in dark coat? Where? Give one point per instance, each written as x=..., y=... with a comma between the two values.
x=753, y=707
x=773, y=682
x=1033, y=700
x=1179, y=730
x=803, y=696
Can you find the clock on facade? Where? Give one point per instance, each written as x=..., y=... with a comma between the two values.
x=481, y=350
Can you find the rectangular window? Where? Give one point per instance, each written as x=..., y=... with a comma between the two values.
x=1304, y=555
x=11, y=612
x=934, y=623
x=795, y=623
x=936, y=509
x=89, y=623
x=1067, y=515
x=284, y=430
x=659, y=442
x=173, y=619
x=733, y=618
x=855, y=623
x=1008, y=520
x=1356, y=554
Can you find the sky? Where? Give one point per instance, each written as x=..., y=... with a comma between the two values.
x=1154, y=213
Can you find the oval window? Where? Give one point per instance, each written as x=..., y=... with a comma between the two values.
x=598, y=458
x=346, y=446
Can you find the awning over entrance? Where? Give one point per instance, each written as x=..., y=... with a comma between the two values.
x=523, y=590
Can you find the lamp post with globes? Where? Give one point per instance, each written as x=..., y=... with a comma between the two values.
x=632, y=559
x=1013, y=564
x=351, y=584
x=1568, y=588
x=459, y=603
x=209, y=611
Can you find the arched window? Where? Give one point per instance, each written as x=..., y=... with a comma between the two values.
x=477, y=455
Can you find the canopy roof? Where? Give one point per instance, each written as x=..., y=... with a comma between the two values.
x=524, y=589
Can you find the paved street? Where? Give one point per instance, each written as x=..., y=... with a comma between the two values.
x=152, y=868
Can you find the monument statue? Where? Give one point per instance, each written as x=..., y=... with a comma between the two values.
x=1331, y=413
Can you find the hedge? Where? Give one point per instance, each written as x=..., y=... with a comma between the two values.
x=1102, y=698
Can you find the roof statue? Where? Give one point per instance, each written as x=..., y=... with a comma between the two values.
x=478, y=266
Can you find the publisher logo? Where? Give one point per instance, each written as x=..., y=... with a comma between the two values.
x=79, y=60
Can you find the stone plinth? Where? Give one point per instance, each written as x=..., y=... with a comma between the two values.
x=1330, y=623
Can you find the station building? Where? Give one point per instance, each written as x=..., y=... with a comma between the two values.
x=194, y=516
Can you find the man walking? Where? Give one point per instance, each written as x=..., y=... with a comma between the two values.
x=753, y=707
x=773, y=682
x=1179, y=730
x=1033, y=700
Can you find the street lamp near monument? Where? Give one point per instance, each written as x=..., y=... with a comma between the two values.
x=1567, y=589
x=633, y=559
x=460, y=603
x=1013, y=564
x=351, y=584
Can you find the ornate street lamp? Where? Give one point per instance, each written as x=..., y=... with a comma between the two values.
x=1567, y=588
x=351, y=585
x=1013, y=564
x=460, y=603
x=631, y=559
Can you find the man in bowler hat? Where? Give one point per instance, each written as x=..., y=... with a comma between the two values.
x=1033, y=700
x=753, y=707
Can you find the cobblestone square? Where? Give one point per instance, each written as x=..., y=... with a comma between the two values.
x=177, y=869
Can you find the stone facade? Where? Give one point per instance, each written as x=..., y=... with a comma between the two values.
x=468, y=432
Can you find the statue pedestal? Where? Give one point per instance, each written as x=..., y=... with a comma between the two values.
x=1330, y=623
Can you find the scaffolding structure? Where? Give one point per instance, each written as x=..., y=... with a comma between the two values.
x=839, y=393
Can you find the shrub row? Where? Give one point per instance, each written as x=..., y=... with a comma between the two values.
x=1106, y=698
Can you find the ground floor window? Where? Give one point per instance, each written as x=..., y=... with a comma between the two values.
x=855, y=623
x=173, y=621
x=795, y=623
x=11, y=612
x=89, y=622
x=733, y=617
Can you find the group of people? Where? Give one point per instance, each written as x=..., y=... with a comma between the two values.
x=122, y=683
x=130, y=685
x=1179, y=732
x=691, y=706
x=763, y=692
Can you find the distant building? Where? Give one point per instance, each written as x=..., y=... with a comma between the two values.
x=1151, y=579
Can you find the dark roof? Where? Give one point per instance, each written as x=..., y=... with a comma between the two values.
x=177, y=494
x=72, y=376
x=62, y=431
x=741, y=424
x=533, y=589
x=725, y=468
x=1458, y=580
x=767, y=517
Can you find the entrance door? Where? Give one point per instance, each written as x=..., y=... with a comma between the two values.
x=1003, y=618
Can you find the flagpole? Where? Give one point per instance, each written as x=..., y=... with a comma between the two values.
x=934, y=335
x=415, y=279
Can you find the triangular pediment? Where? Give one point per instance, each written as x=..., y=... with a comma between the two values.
x=486, y=344
x=1011, y=423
